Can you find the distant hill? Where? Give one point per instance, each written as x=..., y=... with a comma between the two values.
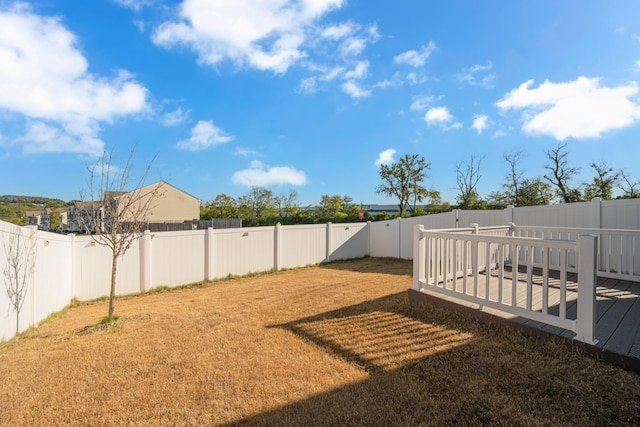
x=32, y=200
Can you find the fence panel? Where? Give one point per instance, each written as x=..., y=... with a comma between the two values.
x=302, y=245
x=349, y=240
x=243, y=251
x=177, y=257
x=385, y=239
x=488, y=218
x=93, y=270
x=577, y=215
x=430, y=222
x=53, y=280
x=621, y=214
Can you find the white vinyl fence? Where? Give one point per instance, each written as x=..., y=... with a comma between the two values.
x=68, y=266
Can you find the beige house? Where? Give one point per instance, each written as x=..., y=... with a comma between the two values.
x=165, y=203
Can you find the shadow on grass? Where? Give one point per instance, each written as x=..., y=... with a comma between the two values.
x=430, y=366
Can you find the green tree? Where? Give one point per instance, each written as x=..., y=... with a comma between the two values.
x=287, y=206
x=404, y=180
x=534, y=192
x=56, y=218
x=223, y=206
x=603, y=182
x=257, y=205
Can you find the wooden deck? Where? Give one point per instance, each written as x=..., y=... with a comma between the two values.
x=617, y=311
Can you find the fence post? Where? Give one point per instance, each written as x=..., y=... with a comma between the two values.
x=474, y=252
x=72, y=265
x=399, y=238
x=329, y=235
x=33, y=246
x=209, y=260
x=587, y=281
x=277, y=248
x=145, y=261
x=510, y=210
x=419, y=259
x=368, y=238
x=596, y=207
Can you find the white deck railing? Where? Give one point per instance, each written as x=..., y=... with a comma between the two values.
x=482, y=266
x=618, y=250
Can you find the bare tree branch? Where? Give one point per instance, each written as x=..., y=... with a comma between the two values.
x=467, y=177
x=20, y=252
x=117, y=212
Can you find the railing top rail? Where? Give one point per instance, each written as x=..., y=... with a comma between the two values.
x=510, y=240
x=576, y=230
x=471, y=229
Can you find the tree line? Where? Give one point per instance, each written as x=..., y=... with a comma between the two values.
x=261, y=206
x=405, y=181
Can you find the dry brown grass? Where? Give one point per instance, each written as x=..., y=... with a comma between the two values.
x=331, y=345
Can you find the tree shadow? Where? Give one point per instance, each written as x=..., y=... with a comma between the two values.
x=431, y=366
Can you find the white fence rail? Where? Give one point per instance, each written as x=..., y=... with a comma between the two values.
x=618, y=251
x=482, y=266
x=73, y=267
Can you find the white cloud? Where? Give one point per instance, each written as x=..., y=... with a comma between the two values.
x=396, y=81
x=332, y=74
x=359, y=72
x=45, y=79
x=246, y=152
x=421, y=103
x=175, y=118
x=577, y=109
x=264, y=35
x=480, y=123
x=260, y=174
x=307, y=86
x=499, y=134
x=440, y=116
x=415, y=58
x=385, y=157
x=478, y=75
x=43, y=138
x=337, y=32
x=354, y=90
x=135, y=5
x=204, y=135
x=353, y=46
x=415, y=79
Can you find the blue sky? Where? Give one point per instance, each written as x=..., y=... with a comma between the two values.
x=312, y=95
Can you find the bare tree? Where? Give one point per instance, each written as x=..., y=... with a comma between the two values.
x=467, y=177
x=20, y=252
x=514, y=176
x=119, y=208
x=628, y=184
x=561, y=173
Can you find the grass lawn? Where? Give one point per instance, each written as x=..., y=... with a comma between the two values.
x=337, y=344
